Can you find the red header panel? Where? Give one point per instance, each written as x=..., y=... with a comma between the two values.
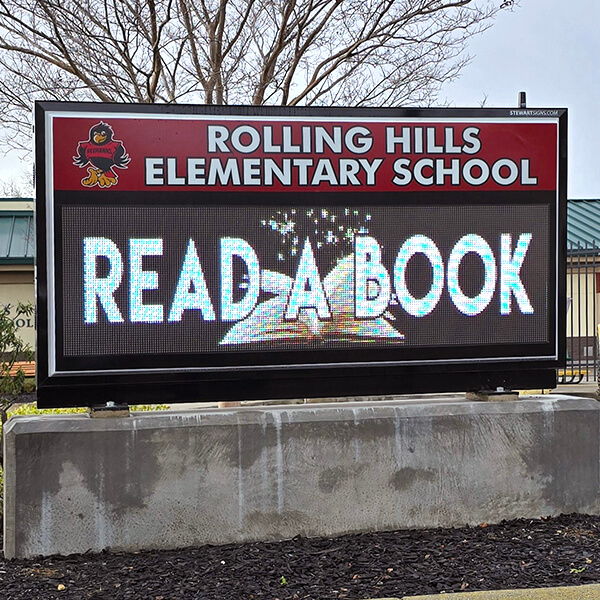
x=275, y=155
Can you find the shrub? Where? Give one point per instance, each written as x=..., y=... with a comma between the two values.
x=12, y=349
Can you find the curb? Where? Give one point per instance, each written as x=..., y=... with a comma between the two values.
x=580, y=592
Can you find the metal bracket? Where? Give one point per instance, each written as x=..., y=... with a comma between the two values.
x=499, y=395
x=110, y=410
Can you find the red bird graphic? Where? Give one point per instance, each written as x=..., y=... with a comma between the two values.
x=100, y=153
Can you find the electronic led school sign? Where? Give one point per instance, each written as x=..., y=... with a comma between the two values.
x=205, y=253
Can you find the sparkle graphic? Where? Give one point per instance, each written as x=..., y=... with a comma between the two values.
x=332, y=232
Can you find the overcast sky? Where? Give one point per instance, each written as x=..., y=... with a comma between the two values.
x=551, y=50
x=548, y=48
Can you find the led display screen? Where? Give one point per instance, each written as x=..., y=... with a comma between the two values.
x=194, y=250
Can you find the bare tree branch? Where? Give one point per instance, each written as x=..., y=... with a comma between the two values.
x=289, y=52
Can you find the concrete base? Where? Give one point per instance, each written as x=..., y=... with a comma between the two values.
x=182, y=478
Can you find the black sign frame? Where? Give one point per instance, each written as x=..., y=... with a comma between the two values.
x=257, y=375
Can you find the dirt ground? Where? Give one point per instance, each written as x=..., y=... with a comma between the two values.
x=547, y=552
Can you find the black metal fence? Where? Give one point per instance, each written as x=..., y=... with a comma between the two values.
x=583, y=286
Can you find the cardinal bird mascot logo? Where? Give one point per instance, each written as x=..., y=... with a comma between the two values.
x=100, y=154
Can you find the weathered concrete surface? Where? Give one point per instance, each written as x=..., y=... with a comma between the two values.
x=577, y=592
x=174, y=479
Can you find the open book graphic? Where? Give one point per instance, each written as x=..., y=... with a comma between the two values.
x=266, y=322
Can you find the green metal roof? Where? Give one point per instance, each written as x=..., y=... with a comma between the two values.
x=17, y=233
x=583, y=226
x=17, y=237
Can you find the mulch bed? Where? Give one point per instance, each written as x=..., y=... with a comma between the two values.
x=556, y=551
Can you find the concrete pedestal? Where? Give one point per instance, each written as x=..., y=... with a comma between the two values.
x=181, y=478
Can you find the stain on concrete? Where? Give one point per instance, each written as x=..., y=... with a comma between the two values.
x=405, y=478
x=450, y=425
x=564, y=437
x=332, y=478
x=252, y=441
x=344, y=430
